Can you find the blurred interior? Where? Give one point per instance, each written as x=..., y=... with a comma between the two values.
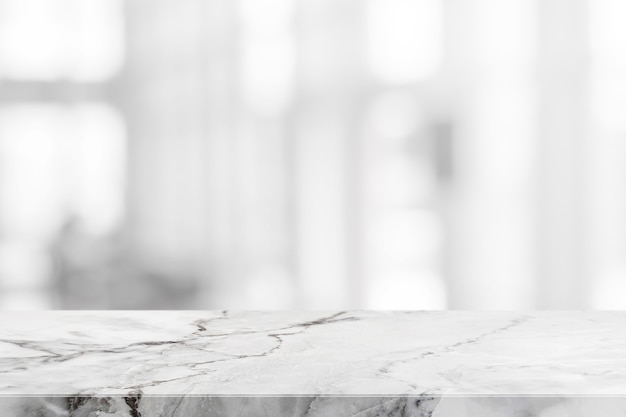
x=312, y=154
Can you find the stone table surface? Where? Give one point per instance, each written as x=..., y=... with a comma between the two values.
x=315, y=363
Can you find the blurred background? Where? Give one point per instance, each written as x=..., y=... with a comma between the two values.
x=312, y=154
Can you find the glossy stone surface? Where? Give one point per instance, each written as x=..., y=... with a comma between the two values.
x=363, y=363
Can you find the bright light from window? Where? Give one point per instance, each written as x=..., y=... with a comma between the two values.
x=505, y=38
x=82, y=40
x=395, y=116
x=99, y=159
x=56, y=163
x=267, y=70
x=403, y=237
x=608, y=34
x=70, y=161
x=405, y=39
x=268, y=56
x=407, y=290
x=608, y=153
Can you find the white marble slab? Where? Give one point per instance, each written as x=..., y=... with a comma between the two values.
x=197, y=363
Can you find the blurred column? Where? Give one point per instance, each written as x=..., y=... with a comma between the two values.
x=211, y=81
x=326, y=149
x=491, y=63
x=261, y=269
x=401, y=230
x=561, y=170
x=165, y=100
x=607, y=155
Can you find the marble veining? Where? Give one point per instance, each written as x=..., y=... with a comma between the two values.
x=347, y=363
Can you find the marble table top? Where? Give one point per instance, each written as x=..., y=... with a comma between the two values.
x=350, y=354
x=300, y=353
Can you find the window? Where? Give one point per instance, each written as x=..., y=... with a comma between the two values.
x=61, y=135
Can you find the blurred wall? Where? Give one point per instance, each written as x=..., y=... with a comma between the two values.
x=399, y=154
